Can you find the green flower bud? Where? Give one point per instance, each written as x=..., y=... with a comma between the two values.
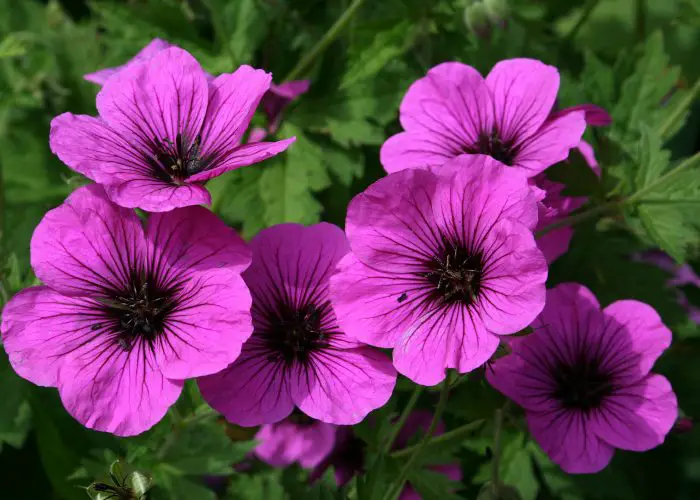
x=497, y=10
x=477, y=20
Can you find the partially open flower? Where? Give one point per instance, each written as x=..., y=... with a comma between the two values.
x=164, y=129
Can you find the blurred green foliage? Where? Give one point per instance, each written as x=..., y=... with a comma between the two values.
x=635, y=58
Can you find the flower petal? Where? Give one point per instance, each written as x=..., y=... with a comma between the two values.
x=116, y=391
x=595, y=115
x=513, y=282
x=524, y=91
x=551, y=143
x=153, y=101
x=368, y=303
x=567, y=438
x=153, y=47
x=252, y=390
x=284, y=443
x=638, y=417
x=90, y=147
x=452, y=101
x=391, y=221
x=86, y=245
x=41, y=327
x=233, y=98
x=639, y=335
x=242, y=156
x=415, y=150
x=153, y=195
x=194, y=252
x=478, y=184
x=451, y=338
x=343, y=386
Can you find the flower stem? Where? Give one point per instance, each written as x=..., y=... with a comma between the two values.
x=454, y=435
x=395, y=491
x=636, y=198
x=580, y=217
x=587, y=10
x=402, y=419
x=303, y=65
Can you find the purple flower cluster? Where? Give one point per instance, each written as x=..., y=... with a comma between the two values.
x=438, y=262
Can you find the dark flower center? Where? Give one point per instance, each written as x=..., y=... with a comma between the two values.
x=294, y=333
x=456, y=274
x=491, y=144
x=176, y=161
x=139, y=310
x=582, y=385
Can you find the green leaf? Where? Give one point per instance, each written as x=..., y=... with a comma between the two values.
x=433, y=485
x=15, y=413
x=173, y=487
x=63, y=442
x=12, y=45
x=516, y=469
x=385, y=47
x=247, y=22
x=288, y=182
x=203, y=448
x=267, y=485
x=667, y=210
x=642, y=92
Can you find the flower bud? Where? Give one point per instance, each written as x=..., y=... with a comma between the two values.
x=497, y=10
x=477, y=19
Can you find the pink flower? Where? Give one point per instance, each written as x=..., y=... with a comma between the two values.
x=297, y=355
x=507, y=115
x=348, y=455
x=164, y=130
x=443, y=263
x=154, y=46
x=127, y=313
x=583, y=378
x=295, y=439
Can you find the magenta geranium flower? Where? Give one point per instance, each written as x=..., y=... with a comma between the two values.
x=347, y=456
x=583, y=378
x=443, y=263
x=297, y=439
x=164, y=130
x=127, y=313
x=297, y=355
x=453, y=110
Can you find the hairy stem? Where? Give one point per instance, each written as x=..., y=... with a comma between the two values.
x=402, y=419
x=394, y=491
x=305, y=63
x=457, y=434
